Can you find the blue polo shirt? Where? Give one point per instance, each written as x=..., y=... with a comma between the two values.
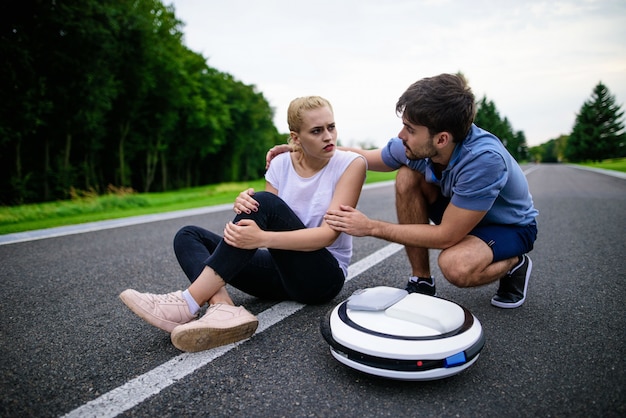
x=481, y=175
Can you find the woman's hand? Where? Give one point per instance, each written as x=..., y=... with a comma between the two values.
x=244, y=203
x=245, y=234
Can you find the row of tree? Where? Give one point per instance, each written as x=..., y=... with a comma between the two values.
x=488, y=118
x=102, y=92
x=598, y=133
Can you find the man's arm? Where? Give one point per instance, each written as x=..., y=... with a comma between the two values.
x=455, y=225
x=373, y=156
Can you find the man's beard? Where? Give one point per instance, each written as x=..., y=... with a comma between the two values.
x=425, y=153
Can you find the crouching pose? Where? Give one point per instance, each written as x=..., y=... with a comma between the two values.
x=458, y=189
x=277, y=247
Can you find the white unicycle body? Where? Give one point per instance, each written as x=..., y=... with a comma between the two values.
x=387, y=332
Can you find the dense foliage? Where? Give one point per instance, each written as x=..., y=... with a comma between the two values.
x=488, y=118
x=103, y=92
x=598, y=133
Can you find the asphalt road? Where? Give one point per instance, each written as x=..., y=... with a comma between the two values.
x=69, y=346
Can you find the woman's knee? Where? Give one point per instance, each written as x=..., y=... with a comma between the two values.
x=268, y=202
x=183, y=233
x=186, y=235
x=266, y=198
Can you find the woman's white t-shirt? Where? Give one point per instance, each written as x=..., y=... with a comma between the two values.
x=310, y=197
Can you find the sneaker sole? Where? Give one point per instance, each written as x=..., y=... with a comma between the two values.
x=504, y=305
x=520, y=302
x=146, y=316
x=204, y=338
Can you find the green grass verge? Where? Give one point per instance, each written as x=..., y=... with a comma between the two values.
x=121, y=205
x=617, y=164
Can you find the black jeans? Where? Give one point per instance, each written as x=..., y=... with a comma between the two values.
x=309, y=277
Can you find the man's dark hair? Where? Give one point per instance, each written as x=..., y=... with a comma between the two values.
x=444, y=103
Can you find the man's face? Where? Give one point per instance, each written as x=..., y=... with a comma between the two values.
x=417, y=141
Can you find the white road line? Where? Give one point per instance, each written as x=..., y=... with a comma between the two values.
x=531, y=169
x=611, y=173
x=109, y=224
x=132, y=220
x=151, y=383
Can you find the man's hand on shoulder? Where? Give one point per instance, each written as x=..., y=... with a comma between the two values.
x=274, y=151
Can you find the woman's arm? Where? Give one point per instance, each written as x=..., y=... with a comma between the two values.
x=246, y=234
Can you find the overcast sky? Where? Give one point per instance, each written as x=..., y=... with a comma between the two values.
x=538, y=61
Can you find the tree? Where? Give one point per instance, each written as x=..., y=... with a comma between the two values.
x=58, y=90
x=134, y=22
x=545, y=153
x=103, y=92
x=598, y=132
x=488, y=118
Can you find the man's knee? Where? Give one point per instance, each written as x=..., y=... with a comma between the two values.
x=408, y=181
x=456, y=276
x=457, y=268
x=411, y=184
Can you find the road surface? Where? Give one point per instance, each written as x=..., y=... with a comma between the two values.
x=69, y=347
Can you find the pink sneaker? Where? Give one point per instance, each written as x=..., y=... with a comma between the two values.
x=222, y=324
x=163, y=311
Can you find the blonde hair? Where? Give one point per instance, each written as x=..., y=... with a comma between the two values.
x=296, y=110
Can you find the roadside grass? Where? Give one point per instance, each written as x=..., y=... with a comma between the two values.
x=617, y=164
x=120, y=203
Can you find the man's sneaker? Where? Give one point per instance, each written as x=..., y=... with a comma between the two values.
x=512, y=290
x=423, y=286
x=163, y=311
x=221, y=324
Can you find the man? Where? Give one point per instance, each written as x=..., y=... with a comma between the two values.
x=461, y=178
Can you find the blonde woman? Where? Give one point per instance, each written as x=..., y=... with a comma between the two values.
x=277, y=247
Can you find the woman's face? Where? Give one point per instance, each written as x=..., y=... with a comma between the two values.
x=317, y=136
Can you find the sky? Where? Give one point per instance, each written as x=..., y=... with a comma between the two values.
x=538, y=61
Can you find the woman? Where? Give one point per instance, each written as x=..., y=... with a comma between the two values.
x=278, y=246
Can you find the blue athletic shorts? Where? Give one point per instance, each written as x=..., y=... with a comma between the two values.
x=505, y=241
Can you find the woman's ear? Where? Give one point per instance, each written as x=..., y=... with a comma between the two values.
x=293, y=137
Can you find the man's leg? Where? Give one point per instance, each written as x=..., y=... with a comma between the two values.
x=489, y=253
x=413, y=195
x=470, y=263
